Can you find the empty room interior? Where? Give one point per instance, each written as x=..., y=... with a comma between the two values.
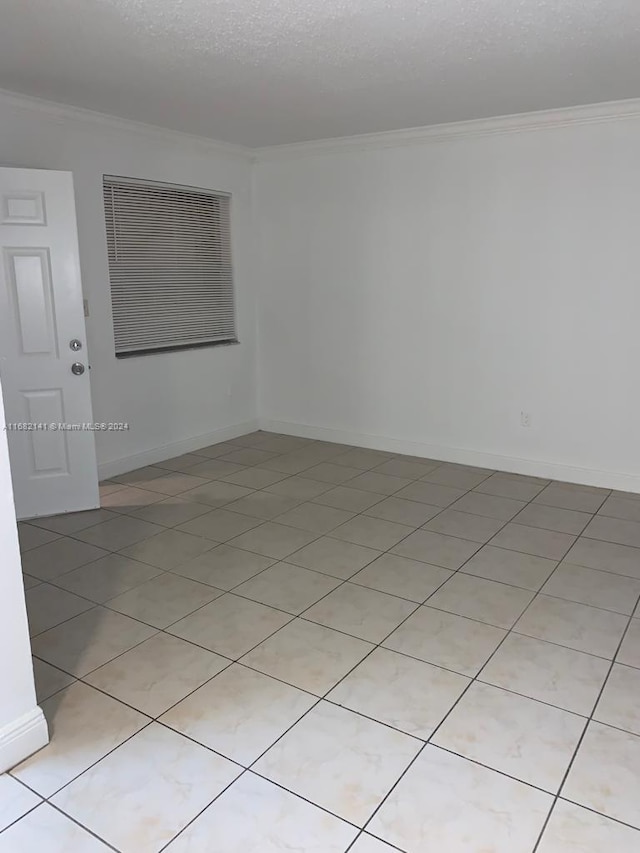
x=320, y=459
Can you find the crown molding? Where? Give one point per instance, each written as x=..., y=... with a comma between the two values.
x=609, y=111
x=544, y=120
x=151, y=132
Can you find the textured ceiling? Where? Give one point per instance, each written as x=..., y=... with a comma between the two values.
x=262, y=72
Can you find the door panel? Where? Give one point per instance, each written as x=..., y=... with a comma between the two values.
x=29, y=282
x=41, y=311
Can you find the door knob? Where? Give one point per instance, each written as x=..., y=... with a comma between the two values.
x=77, y=368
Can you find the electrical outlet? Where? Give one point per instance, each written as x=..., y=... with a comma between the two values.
x=525, y=419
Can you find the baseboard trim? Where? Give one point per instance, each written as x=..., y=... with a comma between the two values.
x=22, y=737
x=463, y=456
x=176, y=448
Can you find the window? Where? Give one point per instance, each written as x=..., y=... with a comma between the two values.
x=169, y=266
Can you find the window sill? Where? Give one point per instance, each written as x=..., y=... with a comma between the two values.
x=170, y=349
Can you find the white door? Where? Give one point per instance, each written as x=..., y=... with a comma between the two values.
x=43, y=347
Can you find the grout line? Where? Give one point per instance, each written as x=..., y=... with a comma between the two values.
x=582, y=736
x=343, y=581
x=82, y=826
x=475, y=678
x=365, y=835
x=323, y=697
x=27, y=812
x=601, y=814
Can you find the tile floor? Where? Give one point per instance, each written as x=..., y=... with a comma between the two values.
x=277, y=644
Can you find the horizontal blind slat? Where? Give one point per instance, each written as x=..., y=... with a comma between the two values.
x=169, y=251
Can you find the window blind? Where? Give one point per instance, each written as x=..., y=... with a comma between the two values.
x=169, y=266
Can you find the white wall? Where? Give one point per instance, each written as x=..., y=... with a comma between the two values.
x=23, y=728
x=419, y=297
x=415, y=296
x=170, y=399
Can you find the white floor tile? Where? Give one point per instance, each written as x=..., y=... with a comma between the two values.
x=515, y=735
x=459, y=476
x=55, y=558
x=220, y=525
x=84, y=726
x=604, y=774
x=315, y=517
x=299, y=488
x=45, y=830
x=446, y=640
x=402, y=511
x=339, y=761
x=378, y=483
x=287, y=587
x=333, y=557
x=586, y=629
x=239, y=713
x=448, y=552
x=368, y=844
x=361, y=612
x=349, y=499
x=256, y=816
x=371, y=532
x=171, y=511
x=630, y=649
x=240, y=650
x=273, y=540
x=216, y=494
x=230, y=625
x=430, y=493
x=107, y=577
x=553, y=518
x=563, y=677
x=48, y=606
x=410, y=470
x=168, y=549
x=534, y=540
x=309, y=656
x=164, y=599
x=590, y=586
x=224, y=567
x=396, y=575
x=580, y=498
x=446, y=803
x=614, y=530
x=31, y=537
x=619, y=704
x=491, y=506
x=254, y=478
x=497, y=604
x=119, y=532
x=605, y=556
x=15, y=801
x=142, y=794
x=476, y=528
x=511, y=486
x=49, y=679
x=499, y=564
x=156, y=674
x=263, y=505
x=71, y=522
x=87, y=641
x=620, y=508
x=402, y=692
x=572, y=829
x=127, y=499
